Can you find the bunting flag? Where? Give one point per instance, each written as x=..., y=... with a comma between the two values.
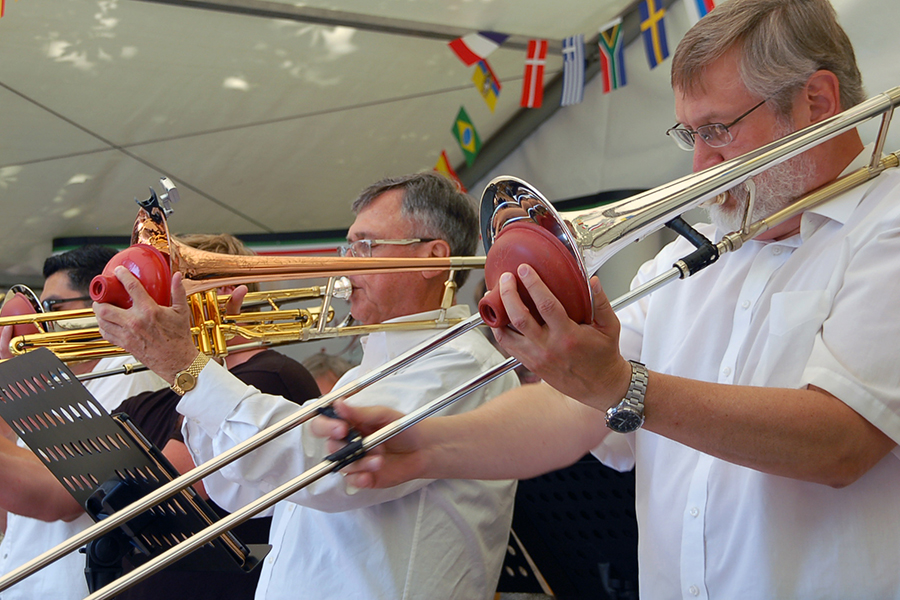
x=573, y=70
x=2, y=7
x=612, y=56
x=533, y=86
x=476, y=46
x=487, y=83
x=697, y=9
x=443, y=167
x=466, y=136
x=653, y=30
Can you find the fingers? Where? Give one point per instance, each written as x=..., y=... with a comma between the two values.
x=326, y=427
x=133, y=286
x=179, y=295
x=233, y=306
x=549, y=308
x=5, y=339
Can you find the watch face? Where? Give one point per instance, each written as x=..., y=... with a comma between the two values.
x=185, y=380
x=624, y=420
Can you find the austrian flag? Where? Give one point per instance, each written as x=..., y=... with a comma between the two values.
x=476, y=46
x=533, y=86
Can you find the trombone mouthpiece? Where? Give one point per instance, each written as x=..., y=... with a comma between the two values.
x=718, y=200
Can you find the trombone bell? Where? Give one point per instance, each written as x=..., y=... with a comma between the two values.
x=520, y=226
x=21, y=301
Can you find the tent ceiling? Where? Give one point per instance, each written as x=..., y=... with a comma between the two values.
x=265, y=124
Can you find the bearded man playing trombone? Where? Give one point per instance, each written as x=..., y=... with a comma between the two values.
x=426, y=539
x=765, y=423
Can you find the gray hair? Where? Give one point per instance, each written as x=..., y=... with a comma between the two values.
x=782, y=43
x=436, y=206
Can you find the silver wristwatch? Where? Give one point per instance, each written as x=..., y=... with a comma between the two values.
x=628, y=415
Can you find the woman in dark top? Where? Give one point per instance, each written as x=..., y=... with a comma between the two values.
x=154, y=414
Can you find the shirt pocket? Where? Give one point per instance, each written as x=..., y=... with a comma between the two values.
x=795, y=319
x=798, y=313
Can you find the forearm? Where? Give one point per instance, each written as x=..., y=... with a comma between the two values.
x=521, y=434
x=804, y=434
x=29, y=489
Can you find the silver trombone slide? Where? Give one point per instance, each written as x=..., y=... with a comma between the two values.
x=354, y=450
x=306, y=412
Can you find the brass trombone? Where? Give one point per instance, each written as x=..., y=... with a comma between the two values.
x=204, y=272
x=588, y=238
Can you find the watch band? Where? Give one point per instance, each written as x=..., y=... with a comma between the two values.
x=628, y=414
x=192, y=371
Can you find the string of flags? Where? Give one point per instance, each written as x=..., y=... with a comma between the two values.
x=3, y=8
x=474, y=48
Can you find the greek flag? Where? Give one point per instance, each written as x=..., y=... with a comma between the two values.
x=573, y=70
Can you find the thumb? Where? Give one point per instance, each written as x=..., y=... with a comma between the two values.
x=604, y=315
x=179, y=295
x=233, y=306
x=5, y=339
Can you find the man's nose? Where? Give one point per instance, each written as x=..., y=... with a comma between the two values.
x=705, y=157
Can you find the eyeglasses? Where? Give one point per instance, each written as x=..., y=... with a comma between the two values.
x=363, y=248
x=714, y=135
x=50, y=303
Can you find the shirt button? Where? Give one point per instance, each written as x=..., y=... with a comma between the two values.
x=694, y=511
x=694, y=590
x=727, y=370
x=745, y=304
x=776, y=250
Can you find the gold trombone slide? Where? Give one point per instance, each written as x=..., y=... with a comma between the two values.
x=590, y=237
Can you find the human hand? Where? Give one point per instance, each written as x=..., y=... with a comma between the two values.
x=398, y=460
x=6, y=335
x=158, y=336
x=581, y=361
x=235, y=300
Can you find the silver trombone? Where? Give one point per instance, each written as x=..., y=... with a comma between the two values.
x=590, y=239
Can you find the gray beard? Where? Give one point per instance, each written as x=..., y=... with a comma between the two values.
x=776, y=188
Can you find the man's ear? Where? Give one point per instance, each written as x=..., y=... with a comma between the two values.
x=436, y=249
x=821, y=97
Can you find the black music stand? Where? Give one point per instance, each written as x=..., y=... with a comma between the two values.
x=577, y=528
x=106, y=463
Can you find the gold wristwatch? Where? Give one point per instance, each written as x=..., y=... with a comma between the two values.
x=186, y=380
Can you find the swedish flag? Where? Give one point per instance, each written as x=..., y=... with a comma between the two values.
x=466, y=136
x=653, y=30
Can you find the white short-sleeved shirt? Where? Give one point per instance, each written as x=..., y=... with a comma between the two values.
x=821, y=308
x=421, y=540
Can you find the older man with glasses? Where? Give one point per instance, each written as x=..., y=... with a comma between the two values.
x=427, y=539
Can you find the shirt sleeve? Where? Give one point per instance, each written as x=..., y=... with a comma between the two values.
x=855, y=353
x=222, y=412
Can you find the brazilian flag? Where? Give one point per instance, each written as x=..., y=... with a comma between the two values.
x=466, y=136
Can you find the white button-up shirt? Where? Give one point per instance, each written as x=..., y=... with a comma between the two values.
x=424, y=539
x=821, y=308
x=28, y=538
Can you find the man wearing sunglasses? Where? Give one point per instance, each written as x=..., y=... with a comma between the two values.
x=42, y=513
x=427, y=539
x=761, y=405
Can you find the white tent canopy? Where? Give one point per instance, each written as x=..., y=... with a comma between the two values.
x=271, y=125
